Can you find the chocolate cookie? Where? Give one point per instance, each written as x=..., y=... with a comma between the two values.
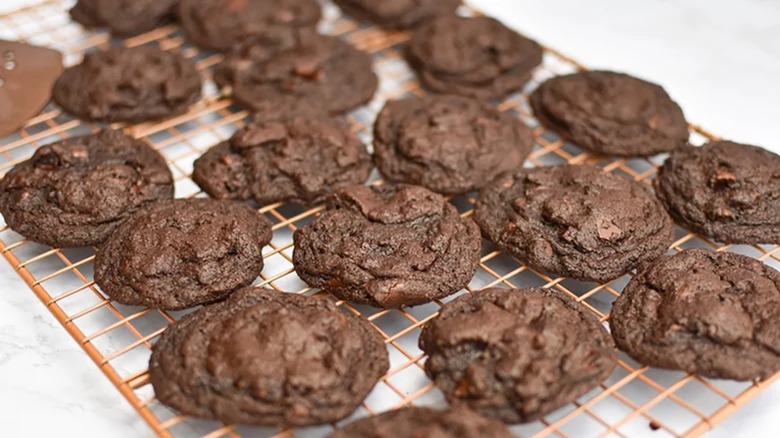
x=128, y=85
x=576, y=221
x=716, y=314
x=319, y=72
x=225, y=24
x=611, y=113
x=449, y=144
x=299, y=160
x=724, y=190
x=516, y=354
x=398, y=13
x=268, y=358
x=75, y=192
x=388, y=246
x=476, y=57
x=124, y=17
x=181, y=253
x=425, y=422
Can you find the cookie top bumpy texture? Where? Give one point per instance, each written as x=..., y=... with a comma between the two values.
x=611, y=113
x=317, y=72
x=225, y=24
x=398, y=13
x=716, y=314
x=181, y=253
x=263, y=357
x=516, y=354
x=299, y=160
x=425, y=422
x=388, y=246
x=576, y=221
x=75, y=192
x=124, y=17
x=449, y=144
x=475, y=57
x=128, y=85
x=725, y=190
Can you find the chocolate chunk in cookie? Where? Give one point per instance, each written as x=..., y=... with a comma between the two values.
x=724, y=190
x=75, y=192
x=299, y=160
x=398, y=13
x=712, y=313
x=319, y=72
x=475, y=57
x=181, y=253
x=124, y=17
x=611, y=113
x=263, y=357
x=226, y=24
x=516, y=354
x=576, y=221
x=125, y=84
x=388, y=246
x=449, y=144
x=425, y=422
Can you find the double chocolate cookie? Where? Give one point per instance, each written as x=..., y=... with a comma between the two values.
x=577, y=221
x=425, y=422
x=124, y=17
x=316, y=72
x=725, y=190
x=476, y=57
x=268, y=358
x=611, y=113
x=398, y=13
x=449, y=144
x=300, y=160
x=516, y=354
x=125, y=84
x=181, y=253
x=388, y=246
x=75, y=192
x=716, y=314
x=225, y=24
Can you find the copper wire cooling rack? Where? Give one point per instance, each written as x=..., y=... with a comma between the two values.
x=635, y=400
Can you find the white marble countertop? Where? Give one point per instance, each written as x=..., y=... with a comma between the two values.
x=719, y=58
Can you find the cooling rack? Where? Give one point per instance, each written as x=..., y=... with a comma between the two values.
x=635, y=400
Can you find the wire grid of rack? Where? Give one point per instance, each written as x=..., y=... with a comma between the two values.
x=635, y=400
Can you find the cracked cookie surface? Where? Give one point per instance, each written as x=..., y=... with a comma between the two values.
x=226, y=24
x=476, y=57
x=725, y=190
x=77, y=191
x=425, y=422
x=184, y=252
x=316, y=71
x=300, y=160
x=124, y=84
x=398, y=13
x=716, y=314
x=388, y=246
x=124, y=17
x=449, y=144
x=264, y=357
x=576, y=221
x=516, y=354
x=611, y=113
